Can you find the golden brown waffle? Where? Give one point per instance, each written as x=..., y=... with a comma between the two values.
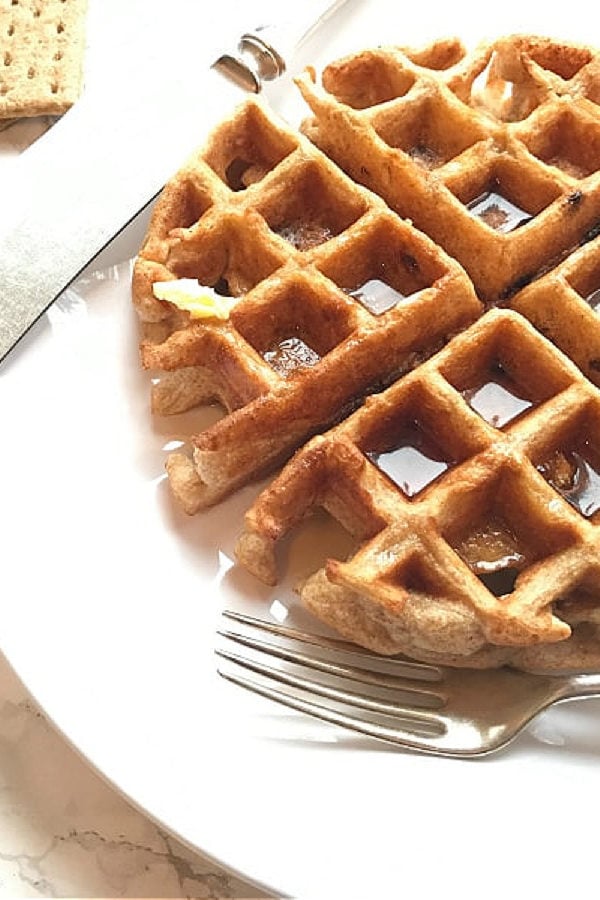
x=471, y=484
x=494, y=154
x=472, y=487
x=564, y=305
x=264, y=215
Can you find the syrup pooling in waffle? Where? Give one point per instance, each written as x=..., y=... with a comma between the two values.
x=337, y=297
x=476, y=521
x=494, y=154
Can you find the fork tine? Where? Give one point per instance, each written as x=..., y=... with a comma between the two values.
x=461, y=723
x=415, y=694
x=476, y=712
x=361, y=701
x=428, y=741
x=406, y=667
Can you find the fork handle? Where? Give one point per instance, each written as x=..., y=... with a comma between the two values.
x=581, y=686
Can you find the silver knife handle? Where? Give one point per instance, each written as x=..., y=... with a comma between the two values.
x=262, y=54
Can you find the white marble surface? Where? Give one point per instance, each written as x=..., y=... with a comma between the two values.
x=64, y=832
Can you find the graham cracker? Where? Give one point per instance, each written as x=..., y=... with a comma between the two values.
x=41, y=56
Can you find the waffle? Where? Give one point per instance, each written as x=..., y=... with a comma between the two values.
x=493, y=154
x=430, y=242
x=472, y=488
x=263, y=215
x=472, y=485
x=563, y=305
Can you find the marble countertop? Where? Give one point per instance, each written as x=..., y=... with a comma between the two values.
x=65, y=832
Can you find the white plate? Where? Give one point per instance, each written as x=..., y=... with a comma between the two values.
x=110, y=598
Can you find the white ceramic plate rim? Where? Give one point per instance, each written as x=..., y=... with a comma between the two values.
x=110, y=601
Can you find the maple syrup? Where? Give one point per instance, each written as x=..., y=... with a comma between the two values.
x=425, y=156
x=221, y=287
x=491, y=548
x=414, y=462
x=575, y=474
x=304, y=235
x=495, y=555
x=593, y=300
x=498, y=400
x=234, y=174
x=500, y=583
x=377, y=296
x=567, y=165
x=289, y=355
x=497, y=212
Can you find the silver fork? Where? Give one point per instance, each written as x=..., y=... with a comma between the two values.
x=429, y=708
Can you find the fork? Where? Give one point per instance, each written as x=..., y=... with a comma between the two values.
x=417, y=706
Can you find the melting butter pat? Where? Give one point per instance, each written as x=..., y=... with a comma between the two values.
x=200, y=301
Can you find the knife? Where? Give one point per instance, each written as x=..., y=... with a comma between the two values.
x=70, y=208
